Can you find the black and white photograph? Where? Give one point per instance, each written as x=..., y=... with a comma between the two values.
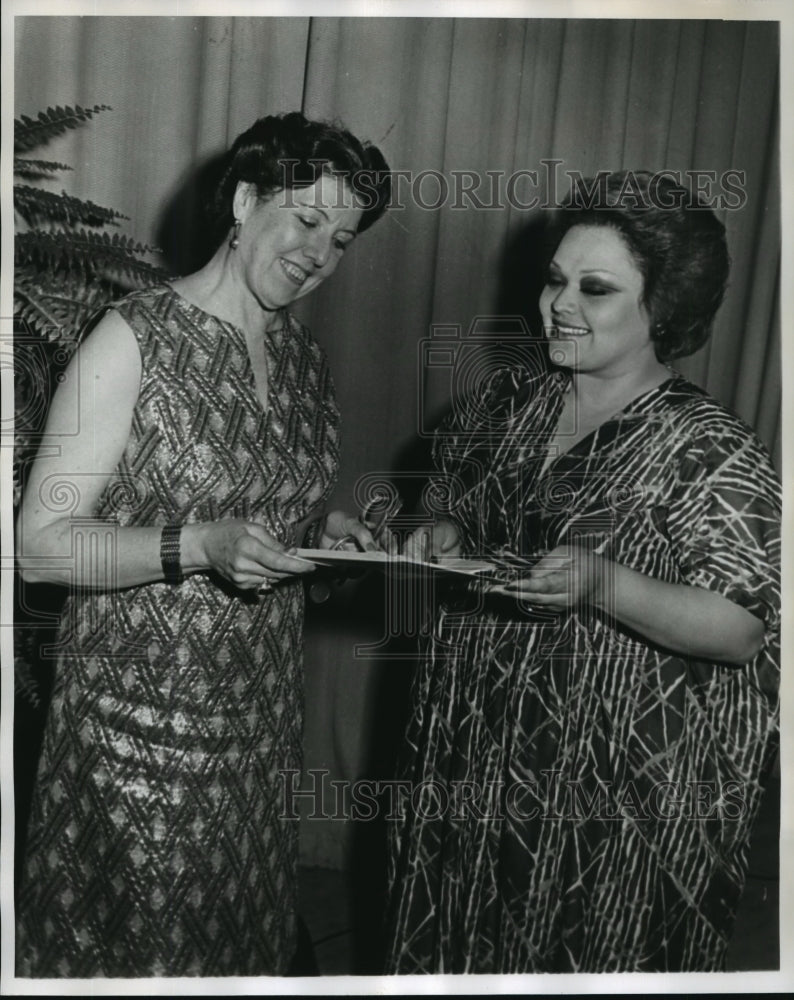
x=394, y=443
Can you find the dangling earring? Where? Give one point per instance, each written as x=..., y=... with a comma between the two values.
x=234, y=242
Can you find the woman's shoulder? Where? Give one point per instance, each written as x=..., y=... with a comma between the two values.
x=303, y=340
x=297, y=328
x=690, y=405
x=144, y=309
x=125, y=306
x=150, y=296
x=149, y=314
x=706, y=426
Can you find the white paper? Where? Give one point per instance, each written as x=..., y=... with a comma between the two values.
x=354, y=559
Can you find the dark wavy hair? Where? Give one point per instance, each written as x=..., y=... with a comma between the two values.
x=676, y=240
x=289, y=151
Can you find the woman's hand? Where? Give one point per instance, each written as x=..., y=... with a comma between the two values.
x=566, y=576
x=438, y=539
x=685, y=619
x=243, y=552
x=338, y=525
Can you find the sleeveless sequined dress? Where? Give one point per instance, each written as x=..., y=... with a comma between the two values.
x=156, y=847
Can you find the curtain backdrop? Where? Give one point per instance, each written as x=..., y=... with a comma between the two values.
x=442, y=96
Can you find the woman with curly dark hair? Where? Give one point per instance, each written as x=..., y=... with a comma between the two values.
x=592, y=732
x=207, y=437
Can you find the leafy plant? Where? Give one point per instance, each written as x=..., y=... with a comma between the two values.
x=66, y=268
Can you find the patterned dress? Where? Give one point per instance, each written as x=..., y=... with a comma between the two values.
x=581, y=798
x=156, y=845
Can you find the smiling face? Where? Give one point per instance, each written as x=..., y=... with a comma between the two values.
x=592, y=305
x=293, y=240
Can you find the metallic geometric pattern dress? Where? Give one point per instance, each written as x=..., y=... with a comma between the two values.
x=587, y=795
x=156, y=846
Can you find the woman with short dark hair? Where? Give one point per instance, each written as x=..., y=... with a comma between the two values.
x=593, y=729
x=288, y=152
x=678, y=246
x=208, y=435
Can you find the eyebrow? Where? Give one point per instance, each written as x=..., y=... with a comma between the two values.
x=589, y=270
x=325, y=215
x=317, y=209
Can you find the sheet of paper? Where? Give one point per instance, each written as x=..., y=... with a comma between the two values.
x=395, y=563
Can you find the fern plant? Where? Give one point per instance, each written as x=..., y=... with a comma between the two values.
x=66, y=267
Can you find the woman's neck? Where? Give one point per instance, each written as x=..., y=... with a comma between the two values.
x=217, y=289
x=595, y=392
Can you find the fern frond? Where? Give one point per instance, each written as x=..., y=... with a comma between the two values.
x=35, y=205
x=25, y=685
x=85, y=252
x=30, y=307
x=33, y=169
x=59, y=309
x=32, y=132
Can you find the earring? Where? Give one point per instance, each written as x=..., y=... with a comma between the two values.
x=234, y=242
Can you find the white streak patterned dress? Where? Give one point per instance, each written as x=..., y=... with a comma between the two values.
x=589, y=795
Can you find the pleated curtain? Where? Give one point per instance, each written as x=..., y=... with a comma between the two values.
x=441, y=97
